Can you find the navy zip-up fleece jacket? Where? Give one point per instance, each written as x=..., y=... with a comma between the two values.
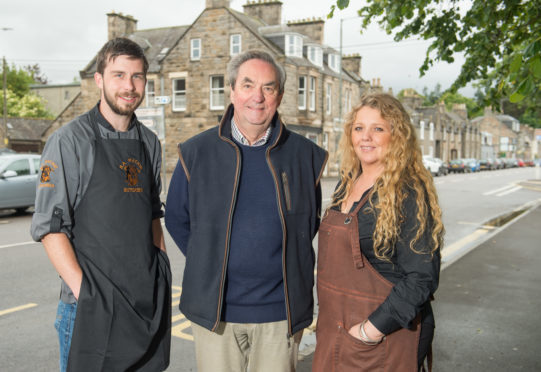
x=200, y=207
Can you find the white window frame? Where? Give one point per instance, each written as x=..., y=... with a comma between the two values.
x=235, y=46
x=180, y=92
x=219, y=90
x=293, y=45
x=328, y=98
x=347, y=100
x=325, y=143
x=333, y=60
x=150, y=94
x=315, y=55
x=312, y=93
x=195, y=50
x=301, y=93
x=422, y=130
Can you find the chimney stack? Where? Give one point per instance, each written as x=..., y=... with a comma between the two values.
x=461, y=110
x=313, y=28
x=217, y=3
x=120, y=25
x=269, y=11
x=352, y=63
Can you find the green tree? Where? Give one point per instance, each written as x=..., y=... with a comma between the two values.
x=431, y=98
x=452, y=98
x=448, y=98
x=20, y=101
x=525, y=111
x=500, y=39
x=27, y=106
x=18, y=80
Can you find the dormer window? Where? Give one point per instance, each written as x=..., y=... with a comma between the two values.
x=293, y=45
x=315, y=55
x=333, y=60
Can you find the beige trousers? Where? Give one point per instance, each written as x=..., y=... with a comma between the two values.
x=252, y=347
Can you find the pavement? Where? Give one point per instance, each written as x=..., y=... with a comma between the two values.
x=487, y=306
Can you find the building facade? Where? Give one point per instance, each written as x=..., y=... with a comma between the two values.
x=57, y=96
x=188, y=65
x=442, y=133
x=500, y=135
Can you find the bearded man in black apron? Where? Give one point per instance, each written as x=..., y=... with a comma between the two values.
x=98, y=216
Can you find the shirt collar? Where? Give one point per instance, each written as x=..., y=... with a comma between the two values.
x=238, y=136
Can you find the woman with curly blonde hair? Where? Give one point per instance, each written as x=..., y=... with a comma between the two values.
x=379, y=247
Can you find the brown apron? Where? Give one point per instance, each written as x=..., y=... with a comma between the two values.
x=349, y=289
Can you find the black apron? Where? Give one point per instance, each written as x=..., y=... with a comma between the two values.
x=123, y=320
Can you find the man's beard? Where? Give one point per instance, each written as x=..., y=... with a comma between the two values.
x=119, y=110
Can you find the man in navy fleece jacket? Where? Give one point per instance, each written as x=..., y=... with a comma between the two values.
x=243, y=206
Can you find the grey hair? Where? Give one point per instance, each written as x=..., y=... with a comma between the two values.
x=234, y=66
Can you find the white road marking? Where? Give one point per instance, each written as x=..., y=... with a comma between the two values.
x=509, y=191
x=499, y=190
x=17, y=244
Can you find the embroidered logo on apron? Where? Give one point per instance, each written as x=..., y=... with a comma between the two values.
x=131, y=169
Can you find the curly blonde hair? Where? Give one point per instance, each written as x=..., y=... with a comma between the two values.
x=403, y=171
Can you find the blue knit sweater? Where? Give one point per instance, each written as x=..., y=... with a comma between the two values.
x=254, y=291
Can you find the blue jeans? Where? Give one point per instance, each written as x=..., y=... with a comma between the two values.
x=65, y=319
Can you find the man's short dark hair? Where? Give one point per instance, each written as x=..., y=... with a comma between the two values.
x=120, y=46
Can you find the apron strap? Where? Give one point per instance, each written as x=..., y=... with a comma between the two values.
x=358, y=260
x=94, y=124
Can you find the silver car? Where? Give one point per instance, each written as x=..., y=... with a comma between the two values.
x=18, y=177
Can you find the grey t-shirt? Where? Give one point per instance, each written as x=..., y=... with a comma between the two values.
x=66, y=166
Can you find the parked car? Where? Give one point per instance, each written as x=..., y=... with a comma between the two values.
x=486, y=164
x=444, y=168
x=18, y=177
x=499, y=163
x=458, y=166
x=472, y=164
x=520, y=162
x=5, y=150
x=511, y=163
x=433, y=165
x=529, y=163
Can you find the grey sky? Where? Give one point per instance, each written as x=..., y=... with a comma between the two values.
x=62, y=36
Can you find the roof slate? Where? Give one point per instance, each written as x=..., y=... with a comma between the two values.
x=154, y=42
x=27, y=129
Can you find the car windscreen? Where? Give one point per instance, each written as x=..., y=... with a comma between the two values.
x=3, y=163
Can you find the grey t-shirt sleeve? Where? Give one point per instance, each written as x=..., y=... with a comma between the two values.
x=155, y=151
x=56, y=187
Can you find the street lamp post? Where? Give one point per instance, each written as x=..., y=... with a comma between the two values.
x=5, y=123
x=5, y=114
x=341, y=73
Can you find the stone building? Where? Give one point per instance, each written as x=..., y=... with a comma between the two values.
x=500, y=134
x=442, y=133
x=57, y=96
x=188, y=64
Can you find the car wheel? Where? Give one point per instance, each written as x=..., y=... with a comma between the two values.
x=21, y=210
